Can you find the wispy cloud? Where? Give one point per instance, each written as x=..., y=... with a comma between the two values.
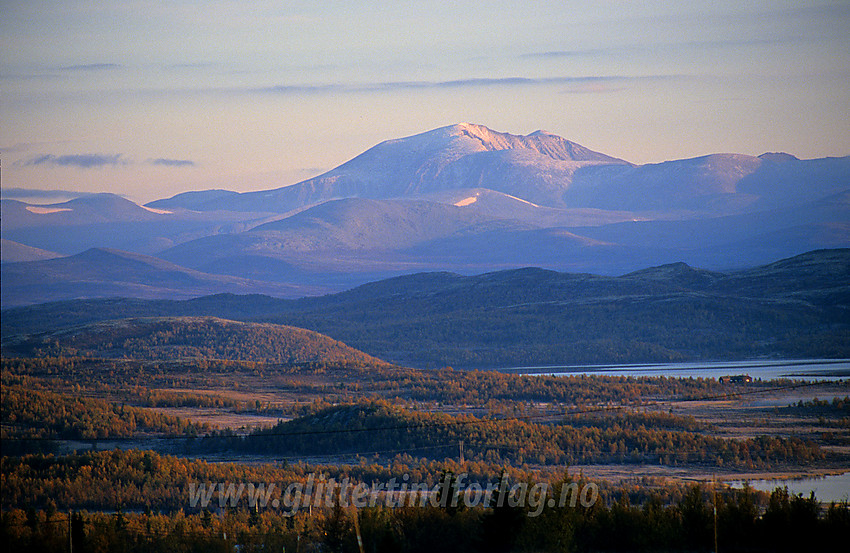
x=90, y=67
x=191, y=65
x=96, y=161
x=83, y=161
x=595, y=52
x=165, y=162
x=301, y=89
x=456, y=83
x=34, y=72
x=653, y=48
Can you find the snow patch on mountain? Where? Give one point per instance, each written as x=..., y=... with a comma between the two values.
x=157, y=211
x=521, y=200
x=40, y=210
x=467, y=201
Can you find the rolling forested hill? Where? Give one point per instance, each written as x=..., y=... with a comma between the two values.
x=797, y=307
x=193, y=337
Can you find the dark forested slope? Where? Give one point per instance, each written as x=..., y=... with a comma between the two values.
x=797, y=307
x=192, y=337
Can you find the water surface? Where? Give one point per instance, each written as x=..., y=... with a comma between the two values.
x=798, y=369
x=835, y=487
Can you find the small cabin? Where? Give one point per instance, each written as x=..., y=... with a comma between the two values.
x=736, y=379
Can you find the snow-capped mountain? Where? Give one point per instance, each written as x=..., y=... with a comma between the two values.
x=109, y=220
x=548, y=171
x=716, y=185
x=461, y=198
x=537, y=168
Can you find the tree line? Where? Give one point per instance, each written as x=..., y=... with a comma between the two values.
x=33, y=417
x=742, y=523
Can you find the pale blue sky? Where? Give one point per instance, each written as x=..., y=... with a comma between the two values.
x=149, y=99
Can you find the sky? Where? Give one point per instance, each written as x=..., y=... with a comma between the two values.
x=149, y=99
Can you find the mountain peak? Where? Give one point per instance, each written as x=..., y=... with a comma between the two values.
x=539, y=142
x=680, y=273
x=537, y=168
x=471, y=127
x=778, y=157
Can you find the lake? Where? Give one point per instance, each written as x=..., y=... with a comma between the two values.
x=798, y=369
x=828, y=488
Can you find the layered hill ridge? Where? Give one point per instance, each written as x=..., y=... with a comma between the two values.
x=713, y=185
x=796, y=307
x=461, y=198
x=111, y=221
x=104, y=272
x=12, y=252
x=94, y=208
